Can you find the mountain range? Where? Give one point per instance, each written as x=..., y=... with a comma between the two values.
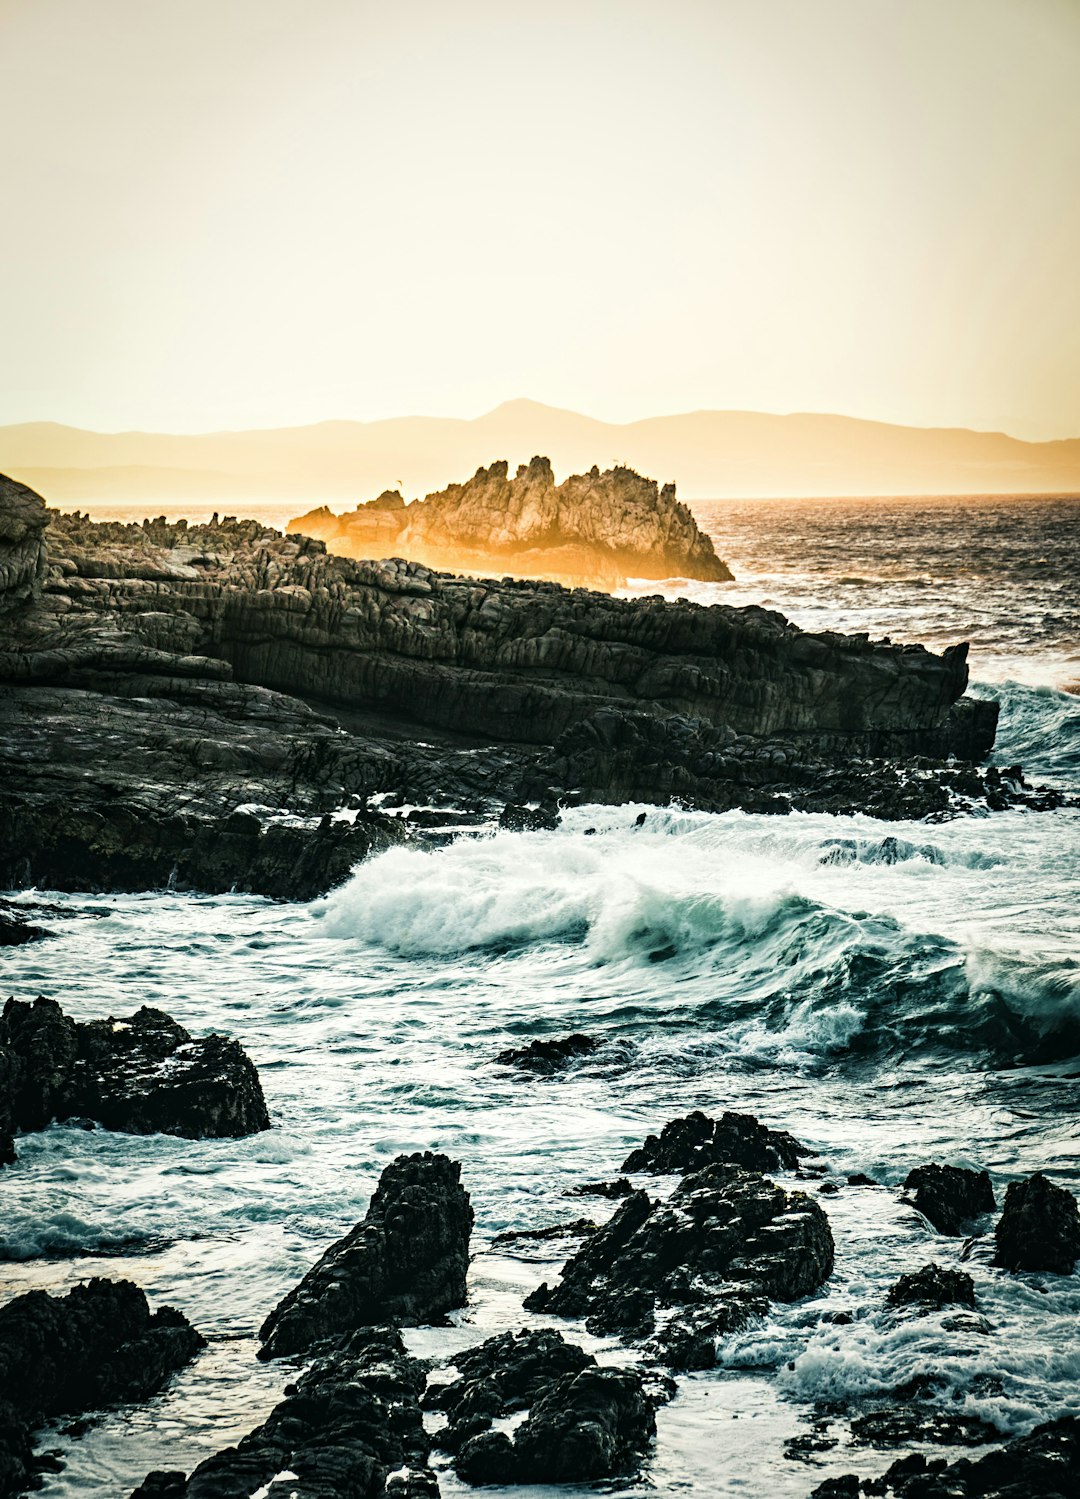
x=709, y=454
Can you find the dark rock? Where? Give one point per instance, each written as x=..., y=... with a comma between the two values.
x=528, y=819
x=405, y=1263
x=695, y=1141
x=1045, y=1463
x=584, y=1422
x=933, y=1286
x=900, y=1425
x=14, y=932
x=619, y=1188
x=951, y=1197
x=142, y=1075
x=162, y=1484
x=574, y=1228
x=545, y=1056
x=715, y=1252
x=350, y=1420
x=1039, y=1228
x=63, y=1355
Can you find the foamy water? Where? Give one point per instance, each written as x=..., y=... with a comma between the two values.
x=891, y=993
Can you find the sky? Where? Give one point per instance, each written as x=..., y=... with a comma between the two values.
x=231, y=213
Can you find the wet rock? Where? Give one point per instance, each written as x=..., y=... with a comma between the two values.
x=514, y=819
x=142, y=1075
x=162, y=1484
x=900, y=1425
x=351, y=1420
x=64, y=1355
x=1039, y=1228
x=1045, y=1463
x=545, y=1056
x=404, y=1263
x=696, y=1266
x=574, y=1228
x=951, y=1197
x=621, y=1187
x=860, y=1179
x=584, y=1422
x=694, y=1141
x=14, y=932
x=933, y=1286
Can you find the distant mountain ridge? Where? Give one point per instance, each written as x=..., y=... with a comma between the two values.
x=708, y=454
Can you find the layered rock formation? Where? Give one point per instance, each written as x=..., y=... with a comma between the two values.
x=594, y=530
x=212, y=706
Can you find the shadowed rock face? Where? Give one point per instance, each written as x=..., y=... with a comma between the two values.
x=143, y=1075
x=22, y=544
x=1039, y=1228
x=62, y=1355
x=949, y=1196
x=595, y=529
x=725, y=1243
x=405, y=1263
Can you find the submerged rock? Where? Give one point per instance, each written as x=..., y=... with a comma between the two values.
x=349, y=1421
x=584, y=1423
x=142, y=1075
x=951, y=1197
x=64, y=1355
x=1039, y=1228
x=405, y=1263
x=545, y=1056
x=702, y=1263
x=620, y=1187
x=695, y=1141
x=1045, y=1463
x=14, y=932
x=933, y=1287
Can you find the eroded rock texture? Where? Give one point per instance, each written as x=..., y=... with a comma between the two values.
x=596, y=529
x=142, y=1075
x=405, y=1263
x=1044, y=1463
x=210, y=707
x=695, y=1141
x=352, y=1419
x=951, y=1197
x=63, y=1355
x=1039, y=1228
x=696, y=1266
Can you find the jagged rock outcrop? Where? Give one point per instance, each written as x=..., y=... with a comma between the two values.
x=696, y=1141
x=62, y=1355
x=22, y=544
x=405, y=1263
x=546, y=1055
x=199, y=705
x=933, y=1287
x=1039, y=1227
x=1046, y=1463
x=695, y=1266
x=584, y=1423
x=951, y=1197
x=595, y=529
x=348, y=1423
x=142, y=1075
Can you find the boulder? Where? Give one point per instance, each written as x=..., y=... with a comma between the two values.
x=65, y=1355
x=695, y=1141
x=1045, y=1463
x=1039, y=1228
x=933, y=1287
x=545, y=1056
x=351, y=1420
x=142, y=1075
x=701, y=1264
x=405, y=1263
x=951, y=1197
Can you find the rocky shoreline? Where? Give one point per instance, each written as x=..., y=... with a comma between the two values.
x=217, y=707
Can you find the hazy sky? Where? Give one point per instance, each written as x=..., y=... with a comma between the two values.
x=254, y=212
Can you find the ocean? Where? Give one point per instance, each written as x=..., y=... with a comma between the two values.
x=891, y=993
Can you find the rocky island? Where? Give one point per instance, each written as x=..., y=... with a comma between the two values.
x=594, y=530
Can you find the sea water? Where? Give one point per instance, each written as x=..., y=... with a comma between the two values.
x=891, y=993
